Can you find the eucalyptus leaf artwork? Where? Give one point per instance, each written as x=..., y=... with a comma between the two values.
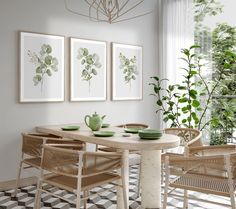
x=88, y=67
x=45, y=64
x=129, y=68
x=90, y=62
x=42, y=60
x=127, y=72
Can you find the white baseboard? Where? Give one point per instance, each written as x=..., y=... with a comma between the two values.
x=6, y=185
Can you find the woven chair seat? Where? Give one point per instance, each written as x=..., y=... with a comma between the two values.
x=70, y=183
x=203, y=183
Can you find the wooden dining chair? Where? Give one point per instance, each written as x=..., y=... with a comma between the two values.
x=214, y=174
x=188, y=138
x=31, y=150
x=78, y=172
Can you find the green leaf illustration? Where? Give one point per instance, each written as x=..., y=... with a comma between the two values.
x=129, y=68
x=44, y=63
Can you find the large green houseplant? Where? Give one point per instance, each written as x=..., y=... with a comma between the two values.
x=185, y=104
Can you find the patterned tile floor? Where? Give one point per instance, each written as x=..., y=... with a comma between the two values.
x=107, y=200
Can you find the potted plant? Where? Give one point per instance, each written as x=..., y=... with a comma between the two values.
x=186, y=104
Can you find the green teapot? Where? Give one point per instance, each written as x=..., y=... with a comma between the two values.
x=94, y=122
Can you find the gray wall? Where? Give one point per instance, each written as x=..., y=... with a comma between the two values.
x=49, y=16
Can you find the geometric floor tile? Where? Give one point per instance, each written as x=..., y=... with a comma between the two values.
x=106, y=200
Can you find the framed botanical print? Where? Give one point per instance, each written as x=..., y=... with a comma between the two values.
x=41, y=67
x=88, y=70
x=126, y=72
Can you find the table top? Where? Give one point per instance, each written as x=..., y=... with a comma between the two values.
x=117, y=141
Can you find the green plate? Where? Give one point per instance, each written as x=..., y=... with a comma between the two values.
x=150, y=132
x=132, y=130
x=103, y=133
x=70, y=128
x=105, y=125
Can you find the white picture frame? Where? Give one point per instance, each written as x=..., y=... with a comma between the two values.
x=41, y=67
x=88, y=70
x=127, y=72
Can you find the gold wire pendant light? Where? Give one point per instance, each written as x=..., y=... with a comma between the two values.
x=111, y=11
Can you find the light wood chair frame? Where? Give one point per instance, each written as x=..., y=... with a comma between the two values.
x=31, y=159
x=192, y=173
x=189, y=138
x=80, y=164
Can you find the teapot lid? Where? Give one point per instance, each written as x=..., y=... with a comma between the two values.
x=95, y=114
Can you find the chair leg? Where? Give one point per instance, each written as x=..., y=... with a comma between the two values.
x=18, y=179
x=125, y=197
x=85, y=200
x=126, y=206
x=37, y=202
x=162, y=173
x=185, y=199
x=232, y=199
x=165, y=195
x=139, y=182
x=78, y=199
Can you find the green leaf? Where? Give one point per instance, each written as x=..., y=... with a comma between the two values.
x=194, y=115
x=193, y=93
x=48, y=60
x=193, y=72
x=189, y=119
x=94, y=72
x=85, y=52
x=171, y=117
x=38, y=77
x=199, y=109
x=184, y=109
x=156, y=78
x=49, y=49
x=171, y=87
x=195, y=47
x=159, y=102
x=157, y=89
x=195, y=103
x=38, y=70
x=183, y=100
x=182, y=87
x=165, y=119
x=184, y=121
x=49, y=72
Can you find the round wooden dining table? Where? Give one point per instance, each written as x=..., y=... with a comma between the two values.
x=150, y=151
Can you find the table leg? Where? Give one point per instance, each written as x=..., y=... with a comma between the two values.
x=120, y=200
x=151, y=179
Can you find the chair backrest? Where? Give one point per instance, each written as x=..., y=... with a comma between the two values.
x=133, y=125
x=32, y=143
x=203, y=165
x=233, y=165
x=188, y=136
x=66, y=162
